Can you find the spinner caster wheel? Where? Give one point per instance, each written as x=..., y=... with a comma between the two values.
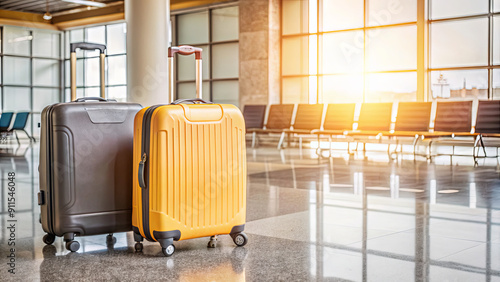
x=138, y=247
x=240, y=239
x=110, y=239
x=168, y=251
x=49, y=238
x=72, y=246
x=213, y=242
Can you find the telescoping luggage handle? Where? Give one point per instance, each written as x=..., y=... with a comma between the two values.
x=184, y=50
x=102, y=57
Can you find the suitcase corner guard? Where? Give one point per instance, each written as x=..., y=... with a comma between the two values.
x=237, y=229
x=174, y=234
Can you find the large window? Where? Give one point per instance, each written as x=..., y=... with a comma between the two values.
x=367, y=50
x=30, y=64
x=215, y=30
x=464, y=46
x=87, y=65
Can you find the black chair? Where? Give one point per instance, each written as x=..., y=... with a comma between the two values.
x=279, y=119
x=487, y=128
x=254, y=116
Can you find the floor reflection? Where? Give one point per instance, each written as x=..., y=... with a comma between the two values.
x=419, y=219
x=348, y=217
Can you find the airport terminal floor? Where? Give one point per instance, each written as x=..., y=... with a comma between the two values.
x=349, y=217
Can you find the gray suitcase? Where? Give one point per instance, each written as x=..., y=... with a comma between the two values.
x=85, y=166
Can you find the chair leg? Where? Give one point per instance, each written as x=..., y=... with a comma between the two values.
x=429, y=151
x=452, y=153
x=17, y=138
x=482, y=144
x=415, y=144
x=254, y=139
x=280, y=143
x=300, y=143
x=29, y=136
x=329, y=146
x=318, y=150
x=475, y=151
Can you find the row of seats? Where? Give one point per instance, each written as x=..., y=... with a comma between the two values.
x=9, y=128
x=413, y=119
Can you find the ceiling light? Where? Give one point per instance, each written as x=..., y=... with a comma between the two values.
x=86, y=2
x=47, y=16
x=448, y=191
x=20, y=39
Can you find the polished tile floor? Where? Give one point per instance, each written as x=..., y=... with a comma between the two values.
x=350, y=217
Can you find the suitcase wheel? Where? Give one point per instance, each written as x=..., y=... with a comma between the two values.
x=213, y=242
x=110, y=239
x=138, y=247
x=49, y=238
x=169, y=250
x=72, y=246
x=240, y=239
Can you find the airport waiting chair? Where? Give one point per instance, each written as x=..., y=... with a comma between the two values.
x=339, y=119
x=452, y=127
x=19, y=125
x=279, y=118
x=453, y=117
x=487, y=127
x=412, y=117
x=5, y=121
x=307, y=119
x=254, y=116
x=374, y=120
x=488, y=118
x=412, y=121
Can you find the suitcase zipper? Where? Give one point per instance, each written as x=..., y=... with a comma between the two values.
x=146, y=136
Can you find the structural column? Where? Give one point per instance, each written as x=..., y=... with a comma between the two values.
x=422, y=33
x=147, y=44
x=259, y=52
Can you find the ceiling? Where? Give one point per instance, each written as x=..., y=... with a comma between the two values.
x=38, y=6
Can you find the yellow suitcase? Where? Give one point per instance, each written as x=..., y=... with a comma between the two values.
x=189, y=170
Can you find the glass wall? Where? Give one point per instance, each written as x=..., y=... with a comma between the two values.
x=461, y=57
x=87, y=65
x=216, y=31
x=30, y=71
x=366, y=50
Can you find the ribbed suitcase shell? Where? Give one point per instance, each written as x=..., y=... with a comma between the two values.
x=197, y=173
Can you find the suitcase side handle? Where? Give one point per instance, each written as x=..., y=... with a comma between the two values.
x=84, y=99
x=140, y=176
x=190, y=101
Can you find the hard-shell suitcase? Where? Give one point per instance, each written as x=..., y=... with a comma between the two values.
x=189, y=169
x=85, y=165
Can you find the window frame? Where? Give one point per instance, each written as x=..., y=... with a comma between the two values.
x=210, y=80
x=84, y=87
x=423, y=24
x=60, y=62
x=490, y=66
